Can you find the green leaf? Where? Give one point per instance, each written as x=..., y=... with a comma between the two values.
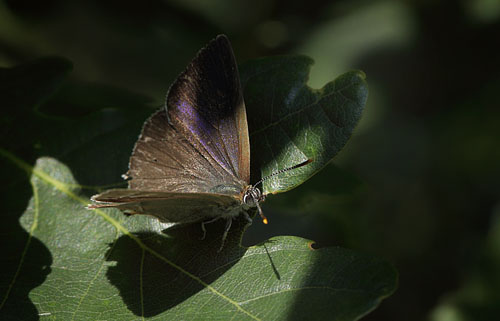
x=66, y=262
x=289, y=122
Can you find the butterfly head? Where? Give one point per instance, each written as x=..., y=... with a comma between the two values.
x=252, y=197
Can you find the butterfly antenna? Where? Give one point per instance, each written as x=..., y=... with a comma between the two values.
x=258, y=197
x=279, y=172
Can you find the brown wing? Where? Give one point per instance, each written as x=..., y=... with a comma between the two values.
x=203, y=143
x=163, y=160
x=169, y=207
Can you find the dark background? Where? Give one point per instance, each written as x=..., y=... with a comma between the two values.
x=418, y=184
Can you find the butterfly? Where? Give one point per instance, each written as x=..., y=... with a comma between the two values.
x=191, y=162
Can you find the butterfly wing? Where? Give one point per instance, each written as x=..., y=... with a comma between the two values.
x=202, y=144
x=192, y=159
x=164, y=160
x=168, y=206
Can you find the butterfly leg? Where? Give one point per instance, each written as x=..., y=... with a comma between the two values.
x=229, y=221
x=203, y=226
x=247, y=217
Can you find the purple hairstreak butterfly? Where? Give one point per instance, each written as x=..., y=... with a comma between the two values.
x=191, y=162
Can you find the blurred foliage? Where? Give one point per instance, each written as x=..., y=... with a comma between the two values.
x=478, y=296
x=418, y=183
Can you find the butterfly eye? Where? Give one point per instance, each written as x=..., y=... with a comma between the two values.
x=252, y=196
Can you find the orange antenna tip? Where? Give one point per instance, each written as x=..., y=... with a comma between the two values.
x=264, y=220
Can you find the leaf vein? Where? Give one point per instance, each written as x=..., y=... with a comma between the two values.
x=28, y=241
x=94, y=278
x=61, y=186
x=303, y=288
x=300, y=110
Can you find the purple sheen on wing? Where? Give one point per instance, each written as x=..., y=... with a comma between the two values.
x=207, y=135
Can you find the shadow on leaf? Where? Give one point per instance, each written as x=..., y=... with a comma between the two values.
x=25, y=260
x=173, y=266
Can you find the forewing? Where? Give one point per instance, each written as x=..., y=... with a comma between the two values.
x=168, y=206
x=206, y=105
x=203, y=143
x=164, y=160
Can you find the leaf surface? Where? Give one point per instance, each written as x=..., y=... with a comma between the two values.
x=66, y=262
x=290, y=122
